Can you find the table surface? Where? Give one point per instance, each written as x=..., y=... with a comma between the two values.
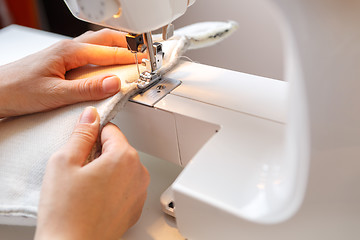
x=153, y=224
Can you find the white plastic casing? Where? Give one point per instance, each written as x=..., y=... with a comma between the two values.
x=135, y=16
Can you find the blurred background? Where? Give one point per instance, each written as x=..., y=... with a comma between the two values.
x=255, y=48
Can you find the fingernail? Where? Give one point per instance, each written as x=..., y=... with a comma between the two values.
x=111, y=84
x=89, y=115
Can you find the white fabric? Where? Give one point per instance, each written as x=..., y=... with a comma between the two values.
x=27, y=142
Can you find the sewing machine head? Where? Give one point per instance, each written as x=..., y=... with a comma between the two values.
x=135, y=16
x=138, y=18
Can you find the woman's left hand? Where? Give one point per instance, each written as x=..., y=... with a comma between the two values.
x=37, y=82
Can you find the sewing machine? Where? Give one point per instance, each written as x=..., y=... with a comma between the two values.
x=261, y=156
x=123, y=15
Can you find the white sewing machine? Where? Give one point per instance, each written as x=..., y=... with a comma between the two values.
x=262, y=157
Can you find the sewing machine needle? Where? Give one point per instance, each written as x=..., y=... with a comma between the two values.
x=137, y=63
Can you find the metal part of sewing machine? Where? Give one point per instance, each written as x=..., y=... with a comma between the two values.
x=139, y=43
x=124, y=15
x=152, y=86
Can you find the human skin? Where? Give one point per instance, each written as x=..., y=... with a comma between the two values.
x=98, y=200
x=37, y=82
x=104, y=198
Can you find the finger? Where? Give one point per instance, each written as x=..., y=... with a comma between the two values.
x=112, y=139
x=92, y=88
x=83, y=137
x=106, y=37
x=84, y=37
x=100, y=55
x=116, y=154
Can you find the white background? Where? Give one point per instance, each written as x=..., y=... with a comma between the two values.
x=255, y=48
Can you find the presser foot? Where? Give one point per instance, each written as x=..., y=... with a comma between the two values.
x=147, y=79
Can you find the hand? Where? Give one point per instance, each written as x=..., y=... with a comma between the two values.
x=100, y=200
x=37, y=82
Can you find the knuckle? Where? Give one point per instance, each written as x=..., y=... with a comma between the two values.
x=146, y=176
x=133, y=162
x=145, y=179
x=88, y=32
x=83, y=37
x=65, y=43
x=59, y=157
x=84, y=134
x=132, y=153
x=90, y=88
x=56, y=90
x=65, y=50
x=117, y=55
x=105, y=31
x=131, y=156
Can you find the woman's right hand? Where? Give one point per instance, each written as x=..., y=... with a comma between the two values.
x=99, y=200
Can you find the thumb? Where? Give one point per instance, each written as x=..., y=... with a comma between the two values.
x=84, y=136
x=92, y=88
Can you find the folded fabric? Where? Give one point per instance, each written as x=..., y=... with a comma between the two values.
x=27, y=142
